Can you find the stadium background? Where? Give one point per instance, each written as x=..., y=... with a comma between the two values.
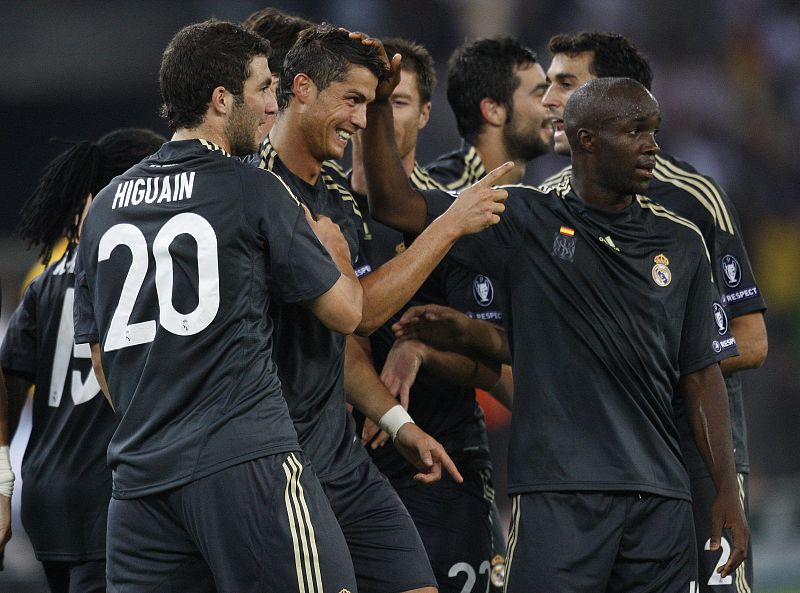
x=727, y=75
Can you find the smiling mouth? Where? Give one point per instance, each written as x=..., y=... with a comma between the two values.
x=343, y=135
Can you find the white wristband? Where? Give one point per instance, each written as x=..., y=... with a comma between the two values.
x=6, y=474
x=392, y=420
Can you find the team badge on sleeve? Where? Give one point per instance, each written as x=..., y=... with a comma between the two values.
x=731, y=270
x=482, y=290
x=661, y=273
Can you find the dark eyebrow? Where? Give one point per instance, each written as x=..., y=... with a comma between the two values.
x=564, y=75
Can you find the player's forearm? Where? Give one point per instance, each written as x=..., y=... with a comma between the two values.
x=5, y=431
x=16, y=393
x=391, y=286
x=751, y=341
x=488, y=341
x=358, y=178
x=461, y=370
x=363, y=387
x=503, y=391
x=707, y=411
x=392, y=199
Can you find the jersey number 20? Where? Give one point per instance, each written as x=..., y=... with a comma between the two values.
x=121, y=334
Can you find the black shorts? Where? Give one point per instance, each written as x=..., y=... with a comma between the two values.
x=387, y=551
x=741, y=581
x=262, y=525
x=75, y=577
x=591, y=542
x=454, y=521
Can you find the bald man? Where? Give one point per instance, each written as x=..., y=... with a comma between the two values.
x=610, y=315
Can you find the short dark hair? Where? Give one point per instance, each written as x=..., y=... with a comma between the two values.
x=416, y=59
x=613, y=55
x=484, y=68
x=51, y=212
x=198, y=59
x=325, y=53
x=280, y=28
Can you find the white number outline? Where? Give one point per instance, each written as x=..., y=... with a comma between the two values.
x=121, y=333
x=485, y=568
x=81, y=391
x=716, y=578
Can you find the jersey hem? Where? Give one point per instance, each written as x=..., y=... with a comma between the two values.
x=69, y=557
x=325, y=478
x=602, y=487
x=141, y=492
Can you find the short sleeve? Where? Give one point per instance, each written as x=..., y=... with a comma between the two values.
x=737, y=283
x=20, y=350
x=299, y=267
x=83, y=307
x=705, y=336
x=492, y=248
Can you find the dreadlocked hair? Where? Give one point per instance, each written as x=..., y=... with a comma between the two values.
x=54, y=208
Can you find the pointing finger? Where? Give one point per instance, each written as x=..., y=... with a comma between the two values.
x=496, y=174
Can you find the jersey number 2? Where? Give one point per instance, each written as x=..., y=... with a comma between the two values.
x=716, y=578
x=121, y=334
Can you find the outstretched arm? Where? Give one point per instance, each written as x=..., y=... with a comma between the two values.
x=448, y=329
x=368, y=395
x=708, y=415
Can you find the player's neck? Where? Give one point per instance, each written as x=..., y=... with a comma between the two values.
x=493, y=153
x=596, y=194
x=286, y=138
x=203, y=132
x=408, y=161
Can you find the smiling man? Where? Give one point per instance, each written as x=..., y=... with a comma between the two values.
x=328, y=78
x=610, y=310
x=678, y=186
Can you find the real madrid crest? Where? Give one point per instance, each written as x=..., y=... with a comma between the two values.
x=661, y=273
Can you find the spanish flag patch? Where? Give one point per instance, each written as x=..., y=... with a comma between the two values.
x=565, y=230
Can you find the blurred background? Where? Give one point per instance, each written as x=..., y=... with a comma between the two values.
x=727, y=75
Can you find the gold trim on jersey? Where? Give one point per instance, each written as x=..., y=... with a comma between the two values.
x=421, y=179
x=742, y=586
x=698, y=186
x=345, y=195
x=306, y=557
x=473, y=170
x=662, y=212
x=211, y=146
x=512, y=537
x=561, y=182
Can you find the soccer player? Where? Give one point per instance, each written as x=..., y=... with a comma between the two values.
x=327, y=81
x=595, y=467
x=281, y=30
x=678, y=186
x=6, y=473
x=453, y=520
x=494, y=87
x=67, y=484
x=179, y=259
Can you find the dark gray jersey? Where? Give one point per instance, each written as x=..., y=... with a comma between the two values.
x=458, y=169
x=604, y=313
x=179, y=259
x=309, y=356
x=679, y=187
x=66, y=482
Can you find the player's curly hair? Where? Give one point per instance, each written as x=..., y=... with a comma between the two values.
x=280, y=28
x=325, y=53
x=198, y=59
x=484, y=68
x=416, y=59
x=53, y=210
x=613, y=55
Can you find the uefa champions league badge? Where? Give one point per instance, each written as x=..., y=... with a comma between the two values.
x=482, y=290
x=731, y=270
x=661, y=273
x=721, y=319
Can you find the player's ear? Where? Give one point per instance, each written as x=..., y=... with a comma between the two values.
x=492, y=112
x=221, y=100
x=303, y=88
x=424, y=115
x=587, y=140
